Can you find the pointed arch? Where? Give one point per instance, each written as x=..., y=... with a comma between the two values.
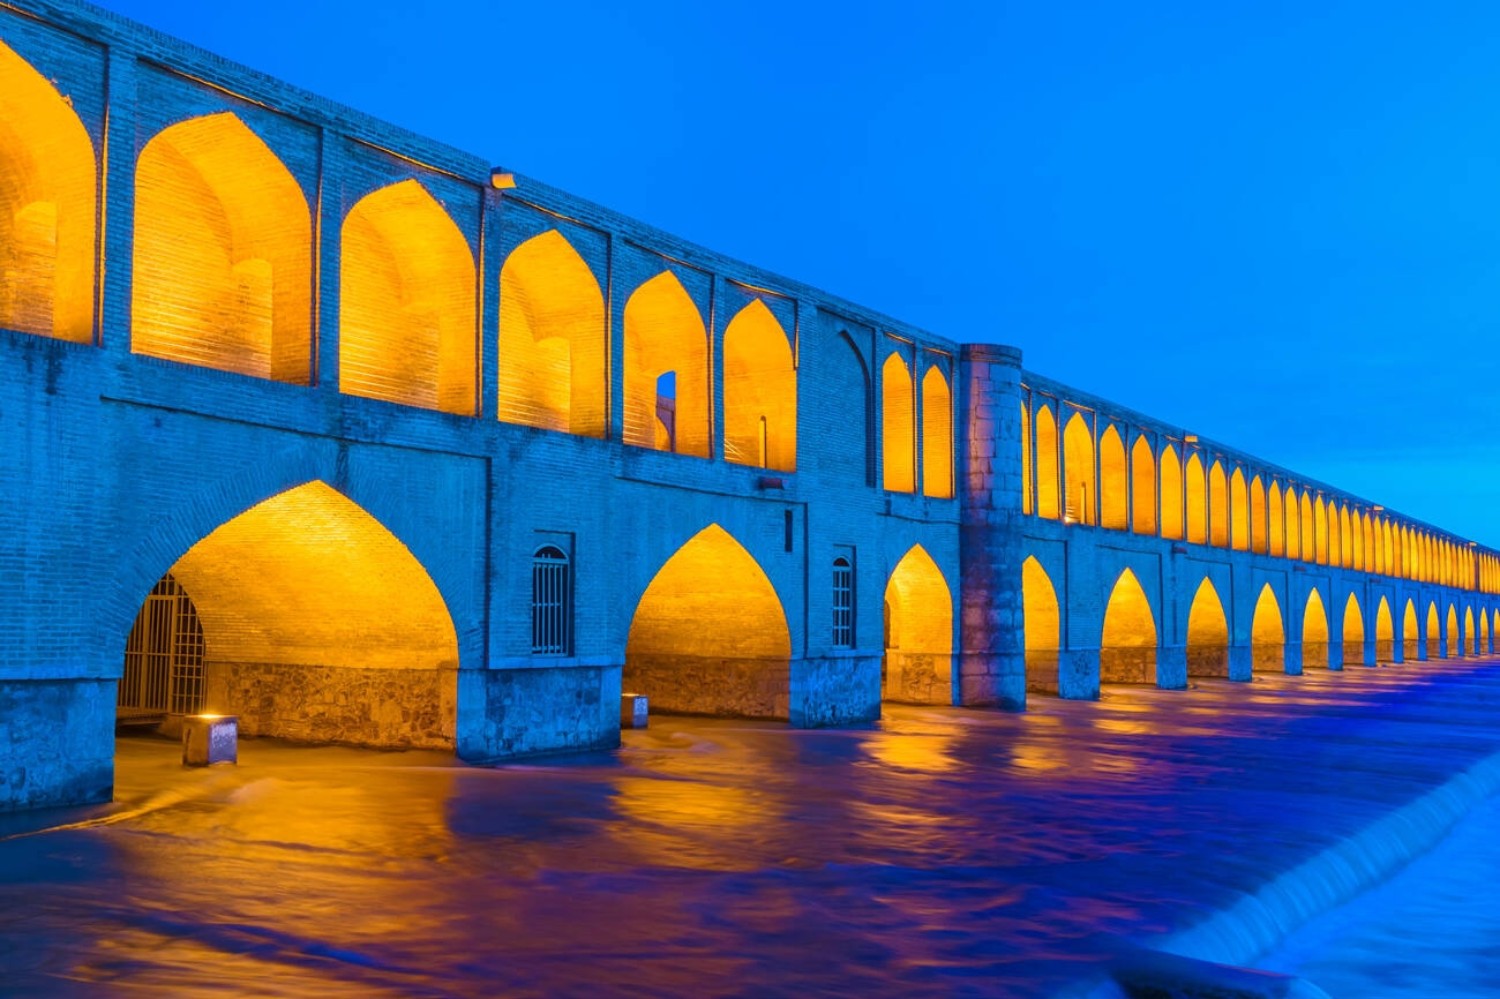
x=1484, y=633
x=1434, y=641
x=1411, y=634
x=1385, y=632
x=850, y=454
x=1470, y=637
x=760, y=391
x=1197, y=500
x=709, y=635
x=553, y=353
x=937, y=435
x=1046, y=463
x=1354, y=632
x=48, y=193
x=1320, y=531
x=1142, y=487
x=1127, y=646
x=1042, y=625
x=1275, y=520
x=1239, y=512
x=1171, y=493
x=1207, y=633
x=1218, y=506
x=919, y=632
x=1293, y=525
x=1258, y=522
x=1080, y=496
x=1267, y=633
x=1314, y=631
x=1308, y=524
x=1114, y=487
x=666, y=369
x=899, y=420
x=1028, y=448
x=222, y=251
x=1455, y=641
x=1339, y=553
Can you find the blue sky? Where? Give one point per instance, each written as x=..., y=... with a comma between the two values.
x=1277, y=225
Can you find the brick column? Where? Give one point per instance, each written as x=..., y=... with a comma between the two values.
x=992, y=663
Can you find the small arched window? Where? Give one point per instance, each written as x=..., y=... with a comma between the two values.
x=843, y=603
x=551, y=603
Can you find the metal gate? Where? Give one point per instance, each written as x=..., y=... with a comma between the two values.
x=163, y=655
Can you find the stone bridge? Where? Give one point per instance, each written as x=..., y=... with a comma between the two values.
x=356, y=436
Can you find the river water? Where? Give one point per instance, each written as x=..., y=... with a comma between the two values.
x=944, y=852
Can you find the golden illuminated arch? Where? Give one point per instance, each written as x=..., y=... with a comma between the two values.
x=1320, y=531
x=1239, y=513
x=1197, y=502
x=1314, y=632
x=222, y=250
x=300, y=597
x=1218, y=506
x=1046, y=463
x=1142, y=487
x=1495, y=626
x=1455, y=644
x=937, y=434
x=1470, y=641
x=553, y=352
x=1114, y=487
x=1258, y=527
x=1080, y=491
x=919, y=632
x=1308, y=524
x=1275, y=521
x=1433, y=629
x=1385, y=632
x=1338, y=536
x=1207, y=633
x=664, y=336
x=1028, y=447
x=1127, y=645
x=760, y=391
x=406, y=302
x=1483, y=648
x=1171, y=493
x=709, y=635
x=1354, y=632
x=1042, y=625
x=1293, y=525
x=47, y=198
x=1410, y=633
x=900, y=425
x=1267, y=633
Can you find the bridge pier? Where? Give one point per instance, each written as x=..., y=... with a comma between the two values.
x=1078, y=674
x=1172, y=667
x=1292, y=659
x=1241, y=661
x=829, y=691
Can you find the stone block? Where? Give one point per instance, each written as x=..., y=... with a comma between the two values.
x=208, y=740
x=634, y=710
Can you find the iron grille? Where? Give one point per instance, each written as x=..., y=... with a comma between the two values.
x=551, y=603
x=164, y=654
x=843, y=604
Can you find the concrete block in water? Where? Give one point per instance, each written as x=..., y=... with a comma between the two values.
x=210, y=739
x=633, y=710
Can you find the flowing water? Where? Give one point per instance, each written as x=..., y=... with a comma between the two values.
x=943, y=852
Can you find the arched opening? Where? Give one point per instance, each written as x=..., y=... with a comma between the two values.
x=1455, y=643
x=1207, y=634
x=1411, y=634
x=1046, y=463
x=1142, y=487
x=1127, y=646
x=1354, y=632
x=553, y=355
x=1239, y=512
x=1171, y=493
x=666, y=369
x=1385, y=632
x=1320, y=531
x=47, y=198
x=1484, y=633
x=899, y=422
x=937, y=435
x=1434, y=645
x=1267, y=634
x=709, y=636
x=1114, y=488
x=1043, y=627
x=1471, y=637
x=163, y=674
x=918, y=632
x=1293, y=525
x=1315, y=632
x=760, y=391
x=1308, y=525
x=222, y=250
x=1218, y=506
x=1338, y=538
x=406, y=303
x=1258, y=541
x=317, y=624
x=850, y=454
x=1197, y=501
x=1081, y=491
x=1275, y=521
x=1028, y=447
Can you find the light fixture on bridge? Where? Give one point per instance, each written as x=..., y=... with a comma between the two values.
x=1378, y=508
x=1189, y=438
x=502, y=180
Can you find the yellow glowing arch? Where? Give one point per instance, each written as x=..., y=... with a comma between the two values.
x=760, y=391
x=1354, y=632
x=1267, y=633
x=1385, y=632
x=1411, y=636
x=899, y=423
x=47, y=197
x=1455, y=644
x=1042, y=625
x=1127, y=645
x=1207, y=633
x=919, y=632
x=553, y=354
x=1171, y=493
x=665, y=336
x=1197, y=502
x=1218, y=506
x=1028, y=446
x=1046, y=463
x=937, y=434
x=1434, y=649
x=222, y=253
x=1471, y=637
x=1258, y=516
x=1080, y=493
x=1114, y=489
x=1314, y=632
x=1239, y=513
x=1276, y=521
x=1142, y=487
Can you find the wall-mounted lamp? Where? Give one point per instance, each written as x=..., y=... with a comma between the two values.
x=1378, y=508
x=1189, y=438
x=502, y=180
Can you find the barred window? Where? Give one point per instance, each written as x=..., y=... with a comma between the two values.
x=551, y=603
x=843, y=604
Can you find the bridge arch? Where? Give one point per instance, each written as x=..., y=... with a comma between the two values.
x=1114, y=490
x=850, y=452
x=1080, y=491
x=1046, y=463
x=553, y=352
x=1308, y=529
x=937, y=434
x=709, y=635
x=1239, y=512
x=1276, y=518
x=1455, y=640
x=760, y=391
x=899, y=429
x=1207, y=633
x=1042, y=623
x=1314, y=631
x=222, y=253
x=666, y=369
x=918, y=632
x=1196, y=505
x=1484, y=633
x=1171, y=493
x=1267, y=633
x=320, y=625
x=1385, y=632
x=1353, y=632
x=1258, y=520
x=1411, y=633
x=1127, y=644
x=1142, y=487
x=48, y=192
x=1434, y=643
x=1471, y=637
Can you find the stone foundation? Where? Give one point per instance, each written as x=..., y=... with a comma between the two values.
x=708, y=685
x=918, y=678
x=385, y=708
x=1210, y=661
x=57, y=742
x=842, y=690
x=1127, y=665
x=505, y=714
x=1042, y=671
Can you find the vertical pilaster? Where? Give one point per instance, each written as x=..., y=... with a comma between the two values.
x=992, y=666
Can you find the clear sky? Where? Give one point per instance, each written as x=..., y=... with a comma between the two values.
x=1275, y=224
